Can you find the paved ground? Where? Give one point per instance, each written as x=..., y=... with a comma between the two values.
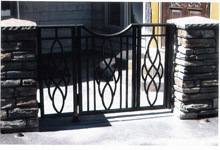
x=144, y=128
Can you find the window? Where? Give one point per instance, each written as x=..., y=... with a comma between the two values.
x=114, y=14
x=8, y=9
x=119, y=14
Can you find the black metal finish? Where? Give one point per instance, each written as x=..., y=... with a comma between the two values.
x=157, y=68
x=106, y=71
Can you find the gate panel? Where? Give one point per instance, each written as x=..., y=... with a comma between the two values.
x=106, y=80
x=56, y=70
x=154, y=67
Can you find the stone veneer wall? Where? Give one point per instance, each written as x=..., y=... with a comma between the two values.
x=19, y=107
x=196, y=71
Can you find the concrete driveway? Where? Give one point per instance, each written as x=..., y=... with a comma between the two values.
x=146, y=128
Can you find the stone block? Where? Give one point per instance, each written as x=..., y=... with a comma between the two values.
x=195, y=107
x=197, y=83
x=9, y=66
x=204, y=50
x=186, y=51
x=3, y=114
x=197, y=42
x=7, y=103
x=11, y=46
x=185, y=115
x=5, y=56
x=193, y=57
x=196, y=76
x=207, y=56
x=211, y=62
x=23, y=56
x=212, y=82
x=200, y=69
x=32, y=122
x=26, y=91
x=22, y=112
x=185, y=84
x=208, y=112
x=21, y=36
x=28, y=82
x=189, y=33
x=197, y=96
x=27, y=65
x=196, y=33
x=209, y=89
x=189, y=62
x=13, y=124
x=187, y=90
x=21, y=74
x=8, y=83
x=26, y=101
x=186, y=57
x=215, y=103
x=3, y=75
x=208, y=33
x=7, y=93
x=3, y=38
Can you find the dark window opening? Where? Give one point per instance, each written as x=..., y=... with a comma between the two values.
x=8, y=9
x=114, y=14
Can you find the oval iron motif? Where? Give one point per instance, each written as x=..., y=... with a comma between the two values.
x=157, y=68
x=57, y=74
x=105, y=74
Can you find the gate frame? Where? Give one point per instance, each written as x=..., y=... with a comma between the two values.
x=136, y=64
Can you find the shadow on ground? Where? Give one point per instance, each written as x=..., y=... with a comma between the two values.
x=66, y=123
x=99, y=120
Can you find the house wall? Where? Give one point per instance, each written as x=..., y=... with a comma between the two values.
x=98, y=18
x=214, y=11
x=57, y=13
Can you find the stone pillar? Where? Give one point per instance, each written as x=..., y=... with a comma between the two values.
x=19, y=107
x=196, y=67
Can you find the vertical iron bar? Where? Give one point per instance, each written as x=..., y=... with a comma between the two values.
x=168, y=76
x=39, y=74
x=79, y=28
x=138, y=65
x=134, y=66
x=94, y=69
x=127, y=69
x=74, y=72
x=87, y=72
x=120, y=72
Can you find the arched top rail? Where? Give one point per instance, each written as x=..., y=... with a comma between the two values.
x=106, y=35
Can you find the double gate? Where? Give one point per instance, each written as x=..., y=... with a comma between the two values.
x=82, y=72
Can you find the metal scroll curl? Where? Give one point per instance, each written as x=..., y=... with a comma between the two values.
x=57, y=74
x=157, y=68
x=105, y=74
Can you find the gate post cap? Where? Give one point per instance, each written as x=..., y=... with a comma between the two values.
x=15, y=24
x=194, y=22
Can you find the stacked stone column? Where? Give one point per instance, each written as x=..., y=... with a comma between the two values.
x=19, y=107
x=196, y=67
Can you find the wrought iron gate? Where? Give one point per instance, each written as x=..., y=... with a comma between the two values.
x=82, y=72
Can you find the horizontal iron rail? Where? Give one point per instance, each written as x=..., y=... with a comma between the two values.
x=81, y=25
x=56, y=26
x=121, y=110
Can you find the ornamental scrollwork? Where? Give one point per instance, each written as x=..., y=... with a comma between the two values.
x=189, y=4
